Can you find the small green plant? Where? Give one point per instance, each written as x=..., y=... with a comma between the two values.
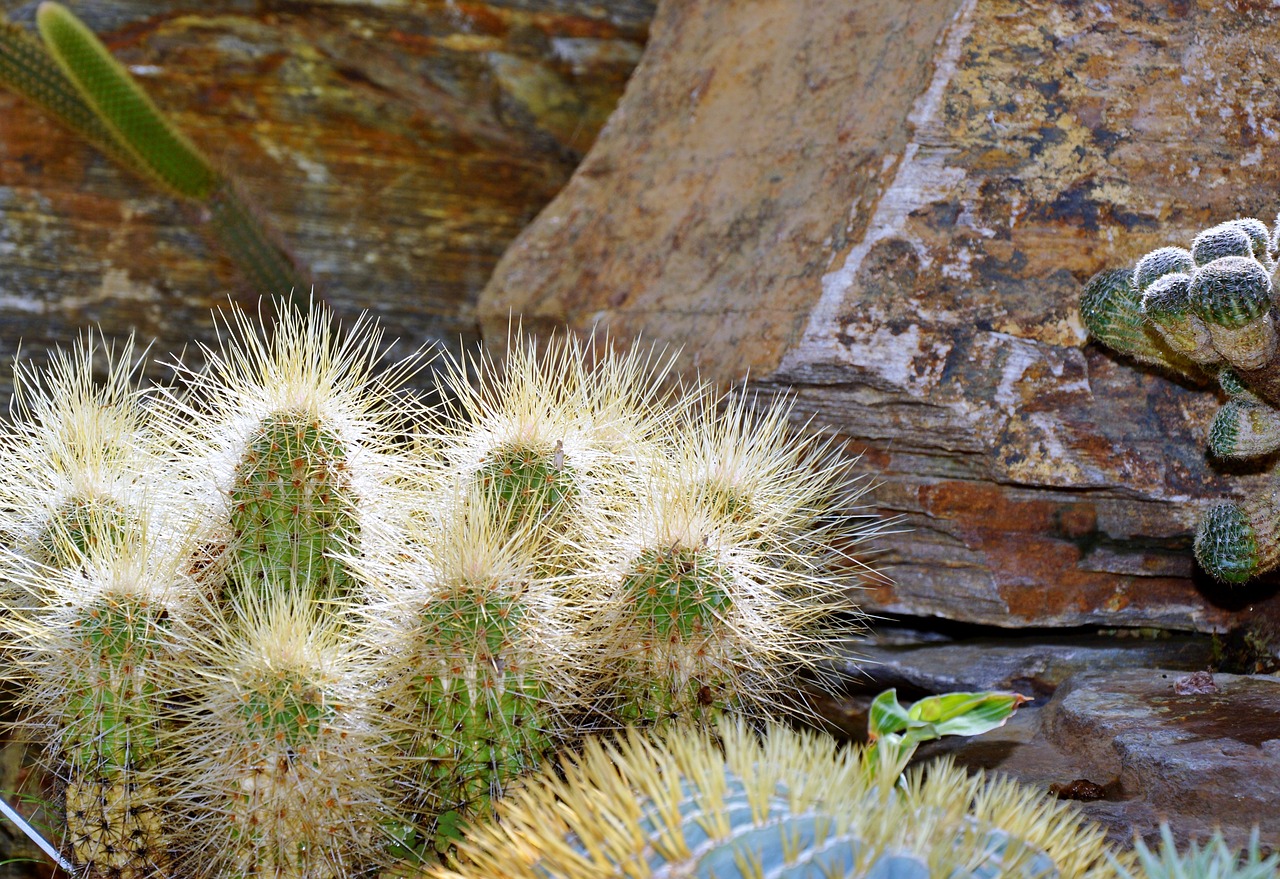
x=275, y=619
x=736, y=805
x=1209, y=312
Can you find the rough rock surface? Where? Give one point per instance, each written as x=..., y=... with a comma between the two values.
x=1136, y=752
x=892, y=207
x=397, y=147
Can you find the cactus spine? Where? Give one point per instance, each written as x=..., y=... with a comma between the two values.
x=790, y=805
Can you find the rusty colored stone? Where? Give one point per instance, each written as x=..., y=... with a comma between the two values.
x=891, y=208
x=397, y=148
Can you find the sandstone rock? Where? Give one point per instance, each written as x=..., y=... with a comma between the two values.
x=891, y=207
x=397, y=147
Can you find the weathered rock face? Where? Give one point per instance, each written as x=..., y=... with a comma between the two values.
x=891, y=207
x=397, y=147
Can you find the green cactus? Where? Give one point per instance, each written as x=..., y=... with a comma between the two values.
x=348, y=639
x=292, y=510
x=1215, y=306
x=788, y=805
x=97, y=648
x=1214, y=860
x=73, y=76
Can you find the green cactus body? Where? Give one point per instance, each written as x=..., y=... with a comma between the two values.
x=482, y=707
x=523, y=485
x=1244, y=429
x=138, y=126
x=677, y=603
x=110, y=737
x=292, y=509
x=1228, y=544
x=787, y=807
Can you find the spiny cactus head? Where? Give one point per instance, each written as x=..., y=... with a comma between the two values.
x=1244, y=429
x=1227, y=544
x=1167, y=304
x=279, y=744
x=1111, y=309
x=789, y=806
x=1232, y=291
x=1160, y=262
x=1259, y=239
x=293, y=509
x=1217, y=242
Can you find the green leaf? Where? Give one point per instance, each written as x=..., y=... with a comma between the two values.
x=138, y=125
x=886, y=715
x=965, y=714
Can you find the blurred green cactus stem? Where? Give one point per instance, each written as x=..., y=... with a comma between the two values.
x=73, y=76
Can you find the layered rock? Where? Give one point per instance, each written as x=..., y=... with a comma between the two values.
x=892, y=208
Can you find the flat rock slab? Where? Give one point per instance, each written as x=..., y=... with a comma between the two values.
x=1034, y=665
x=1139, y=752
x=891, y=207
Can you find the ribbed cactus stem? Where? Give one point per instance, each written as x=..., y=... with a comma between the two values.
x=98, y=655
x=292, y=510
x=1236, y=542
x=1166, y=302
x=1244, y=429
x=678, y=661
x=137, y=124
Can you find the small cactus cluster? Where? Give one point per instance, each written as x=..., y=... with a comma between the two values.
x=1210, y=312
x=786, y=805
x=278, y=618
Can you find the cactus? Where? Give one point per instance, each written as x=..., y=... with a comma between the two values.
x=73, y=76
x=1211, y=310
x=787, y=805
x=354, y=625
x=71, y=465
x=97, y=648
x=1215, y=860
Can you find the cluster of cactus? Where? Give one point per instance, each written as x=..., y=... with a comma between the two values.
x=72, y=76
x=279, y=618
x=1210, y=313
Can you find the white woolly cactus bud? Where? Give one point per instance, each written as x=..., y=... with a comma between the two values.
x=293, y=439
x=791, y=806
x=1233, y=296
x=98, y=652
x=71, y=461
x=282, y=772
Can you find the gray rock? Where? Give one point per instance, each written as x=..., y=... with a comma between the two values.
x=1196, y=760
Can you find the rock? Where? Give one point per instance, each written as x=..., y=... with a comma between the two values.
x=892, y=208
x=397, y=148
x=1033, y=664
x=1195, y=760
